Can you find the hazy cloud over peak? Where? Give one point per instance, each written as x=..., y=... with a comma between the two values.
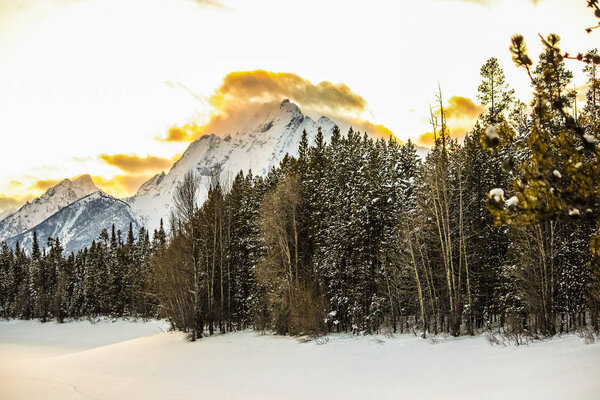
x=244, y=93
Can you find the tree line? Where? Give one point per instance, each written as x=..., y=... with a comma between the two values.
x=113, y=277
x=497, y=232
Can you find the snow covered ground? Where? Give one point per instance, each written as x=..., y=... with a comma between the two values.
x=126, y=360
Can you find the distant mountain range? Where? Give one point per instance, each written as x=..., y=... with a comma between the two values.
x=77, y=211
x=36, y=211
x=77, y=224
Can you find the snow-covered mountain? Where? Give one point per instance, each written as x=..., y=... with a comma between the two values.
x=260, y=145
x=66, y=212
x=77, y=224
x=34, y=212
x=71, y=212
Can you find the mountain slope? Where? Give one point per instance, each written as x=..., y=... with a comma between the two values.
x=34, y=212
x=77, y=224
x=259, y=146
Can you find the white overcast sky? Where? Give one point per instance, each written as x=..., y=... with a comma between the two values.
x=82, y=78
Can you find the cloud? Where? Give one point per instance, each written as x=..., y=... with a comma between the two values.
x=243, y=94
x=121, y=185
x=10, y=202
x=461, y=114
x=135, y=164
x=375, y=130
x=138, y=170
x=426, y=139
x=135, y=171
x=15, y=194
x=462, y=108
x=44, y=184
x=185, y=133
x=268, y=86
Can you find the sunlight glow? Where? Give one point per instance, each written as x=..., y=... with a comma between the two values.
x=84, y=78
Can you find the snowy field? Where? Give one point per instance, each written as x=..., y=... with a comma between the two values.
x=126, y=360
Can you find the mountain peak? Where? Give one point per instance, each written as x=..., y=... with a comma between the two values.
x=274, y=130
x=287, y=105
x=55, y=198
x=78, y=188
x=85, y=179
x=80, y=222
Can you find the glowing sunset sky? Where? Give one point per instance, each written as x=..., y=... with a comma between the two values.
x=95, y=86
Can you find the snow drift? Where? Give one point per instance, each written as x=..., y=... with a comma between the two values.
x=115, y=361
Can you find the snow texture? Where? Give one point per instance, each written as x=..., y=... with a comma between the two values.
x=125, y=360
x=497, y=194
x=512, y=202
x=591, y=139
x=492, y=133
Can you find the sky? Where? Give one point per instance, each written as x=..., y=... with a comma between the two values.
x=118, y=88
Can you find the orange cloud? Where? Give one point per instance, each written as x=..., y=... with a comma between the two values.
x=135, y=164
x=138, y=169
x=461, y=114
x=44, y=184
x=243, y=94
x=185, y=133
x=121, y=185
x=265, y=87
x=426, y=139
x=462, y=108
x=7, y=202
x=374, y=130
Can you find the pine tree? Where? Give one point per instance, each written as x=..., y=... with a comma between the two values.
x=556, y=182
x=7, y=297
x=494, y=92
